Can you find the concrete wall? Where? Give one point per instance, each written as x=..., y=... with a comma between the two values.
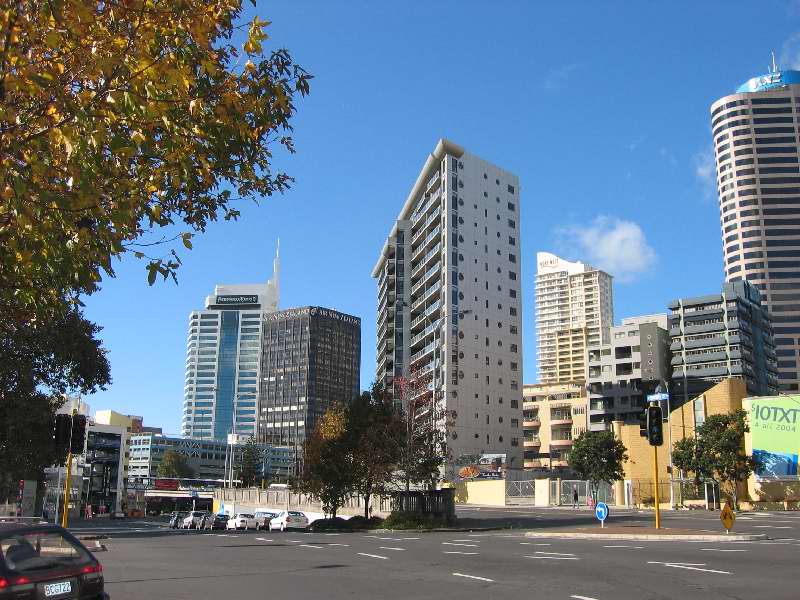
x=489, y=492
x=253, y=499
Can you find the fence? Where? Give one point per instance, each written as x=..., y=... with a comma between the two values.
x=684, y=492
x=256, y=498
x=440, y=503
x=564, y=495
x=520, y=492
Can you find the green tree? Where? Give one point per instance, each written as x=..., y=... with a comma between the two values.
x=598, y=456
x=250, y=463
x=328, y=472
x=174, y=464
x=40, y=362
x=717, y=452
x=376, y=434
x=122, y=119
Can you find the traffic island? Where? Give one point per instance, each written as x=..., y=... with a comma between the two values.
x=645, y=533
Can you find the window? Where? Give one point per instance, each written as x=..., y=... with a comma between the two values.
x=510, y=189
x=512, y=223
x=511, y=240
x=512, y=258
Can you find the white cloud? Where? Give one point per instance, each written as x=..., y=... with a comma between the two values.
x=612, y=244
x=790, y=53
x=705, y=170
x=557, y=78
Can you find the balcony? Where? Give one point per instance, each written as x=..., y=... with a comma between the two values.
x=424, y=279
x=426, y=350
x=561, y=443
x=424, y=333
x=421, y=231
x=433, y=235
x=424, y=210
x=425, y=262
x=425, y=315
x=534, y=443
x=417, y=304
x=531, y=422
x=560, y=420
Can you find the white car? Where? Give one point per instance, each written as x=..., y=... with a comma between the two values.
x=192, y=520
x=242, y=521
x=289, y=520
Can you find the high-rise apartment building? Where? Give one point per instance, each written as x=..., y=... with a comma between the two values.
x=626, y=369
x=554, y=414
x=223, y=359
x=450, y=302
x=755, y=135
x=719, y=336
x=310, y=360
x=574, y=309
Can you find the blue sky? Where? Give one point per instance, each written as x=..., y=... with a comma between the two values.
x=600, y=108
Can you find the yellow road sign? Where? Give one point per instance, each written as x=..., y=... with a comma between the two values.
x=727, y=516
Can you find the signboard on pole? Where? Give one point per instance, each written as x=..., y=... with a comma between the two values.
x=727, y=517
x=601, y=512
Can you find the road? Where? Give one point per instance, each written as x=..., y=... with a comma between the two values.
x=145, y=560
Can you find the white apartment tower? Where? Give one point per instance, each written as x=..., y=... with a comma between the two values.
x=574, y=309
x=223, y=359
x=450, y=302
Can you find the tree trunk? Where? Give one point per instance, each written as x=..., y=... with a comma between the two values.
x=366, y=505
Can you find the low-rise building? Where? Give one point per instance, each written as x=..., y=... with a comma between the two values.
x=622, y=372
x=553, y=414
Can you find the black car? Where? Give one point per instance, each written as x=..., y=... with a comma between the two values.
x=39, y=561
x=214, y=522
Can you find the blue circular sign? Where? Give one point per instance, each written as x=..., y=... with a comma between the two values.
x=601, y=511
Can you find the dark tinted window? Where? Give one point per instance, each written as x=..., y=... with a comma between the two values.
x=40, y=550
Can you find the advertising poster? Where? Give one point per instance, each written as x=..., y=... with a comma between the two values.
x=775, y=433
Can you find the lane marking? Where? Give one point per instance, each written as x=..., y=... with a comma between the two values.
x=375, y=537
x=263, y=540
x=310, y=546
x=295, y=541
x=373, y=555
x=467, y=541
x=455, y=544
x=554, y=557
x=533, y=544
x=408, y=538
x=554, y=553
x=634, y=547
x=772, y=527
x=582, y=598
x=332, y=534
x=345, y=545
x=474, y=577
x=390, y=548
x=721, y=550
x=458, y=552
x=689, y=567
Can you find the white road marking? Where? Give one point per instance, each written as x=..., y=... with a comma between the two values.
x=310, y=546
x=295, y=541
x=583, y=598
x=455, y=544
x=474, y=577
x=263, y=540
x=466, y=540
x=345, y=545
x=532, y=544
x=332, y=534
x=633, y=547
x=689, y=567
x=554, y=557
x=771, y=527
x=555, y=553
x=408, y=538
x=721, y=550
x=373, y=555
x=459, y=552
x=390, y=548
x=478, y=535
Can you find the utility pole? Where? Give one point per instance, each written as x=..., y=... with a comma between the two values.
x=68, y=479
x=655, y=435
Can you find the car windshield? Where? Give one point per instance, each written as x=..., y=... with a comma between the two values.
x=38, y=550
x=296, y=514
x=246, y=516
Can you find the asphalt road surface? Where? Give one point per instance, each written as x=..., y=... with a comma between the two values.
x=144, y=560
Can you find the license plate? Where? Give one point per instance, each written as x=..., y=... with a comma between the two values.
x=54, y=589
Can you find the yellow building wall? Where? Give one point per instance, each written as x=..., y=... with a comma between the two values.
x=490, y=492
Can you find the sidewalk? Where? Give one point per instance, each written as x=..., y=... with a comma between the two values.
x=634, y=532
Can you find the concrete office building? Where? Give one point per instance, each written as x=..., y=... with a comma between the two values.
x=719, y=336
x=574, y=309
x=207, y=458
x=623, y=372
x=310, y=360
x=223, y=358
x=756, y=150
x=449, y=316
x=554, y=414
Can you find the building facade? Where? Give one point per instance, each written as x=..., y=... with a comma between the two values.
x=310, y=360
x=755, y=135
x=223, y=354
x=449, y=315
x=574, y=309
x=719, y=336
x=623, y=372
x=207, y=458
x=554, y=414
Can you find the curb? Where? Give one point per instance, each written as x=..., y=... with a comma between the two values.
x=650, y=537
x=98, y=547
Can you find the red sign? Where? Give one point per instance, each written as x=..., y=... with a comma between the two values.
x=166, y=484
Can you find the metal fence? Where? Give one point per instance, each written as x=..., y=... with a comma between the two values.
x=520, y=492
x=565, y=495
x=440, y=503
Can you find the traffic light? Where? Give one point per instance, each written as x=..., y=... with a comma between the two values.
x=643, y=423
x=61, y=433
x=655, y=426
x=78, y=434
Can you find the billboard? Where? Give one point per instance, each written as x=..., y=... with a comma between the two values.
x=775, y=434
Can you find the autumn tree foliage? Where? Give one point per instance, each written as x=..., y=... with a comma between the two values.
x=123, y=118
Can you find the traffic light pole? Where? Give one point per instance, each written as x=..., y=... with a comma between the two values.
x=655, y=487
x=68, y=478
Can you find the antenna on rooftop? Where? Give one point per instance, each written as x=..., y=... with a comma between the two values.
x=774, y=68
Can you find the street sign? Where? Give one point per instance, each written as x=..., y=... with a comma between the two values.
x=601, y=512
x=727, y=517
x=657, y=397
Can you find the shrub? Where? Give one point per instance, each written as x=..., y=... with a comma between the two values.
x=360, y=522
x=404, y=520
x=329, y=524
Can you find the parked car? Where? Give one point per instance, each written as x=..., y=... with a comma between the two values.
x=43, y=561
x=176, y=519
x=289, y=520
x=215, y=522
x=242, y=521
x=192, y=519
x=117, y=514
x=264, y=517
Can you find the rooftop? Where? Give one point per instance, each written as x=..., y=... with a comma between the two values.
x=770, y=81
